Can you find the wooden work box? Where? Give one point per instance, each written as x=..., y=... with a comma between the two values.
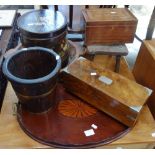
x=109, y=26
x=144, y=69
x=110, y=92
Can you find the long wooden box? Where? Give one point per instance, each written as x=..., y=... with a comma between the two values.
x=109, y=26
x=109, y=92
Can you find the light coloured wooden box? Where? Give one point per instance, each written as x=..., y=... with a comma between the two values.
x=110, y=92
x=109, y=26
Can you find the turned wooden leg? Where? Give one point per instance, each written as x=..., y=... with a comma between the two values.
x=117, y=65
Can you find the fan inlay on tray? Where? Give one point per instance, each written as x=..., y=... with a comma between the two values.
x=75, y=109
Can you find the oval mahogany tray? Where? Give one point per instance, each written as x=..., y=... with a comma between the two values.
x=64, y=125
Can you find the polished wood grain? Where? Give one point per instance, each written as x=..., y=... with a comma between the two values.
x=109, y=26
x=117, y=99
x=144, y=69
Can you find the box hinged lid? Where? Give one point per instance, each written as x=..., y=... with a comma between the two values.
x=109, y=16
x=119, y=87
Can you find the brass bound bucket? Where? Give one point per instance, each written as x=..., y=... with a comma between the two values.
x=33, y=73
